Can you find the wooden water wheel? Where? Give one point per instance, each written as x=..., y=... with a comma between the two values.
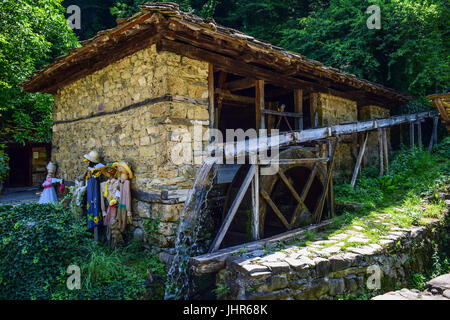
x=287, y=200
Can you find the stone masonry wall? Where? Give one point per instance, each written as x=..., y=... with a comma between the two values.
x=368, y=113
x=142, y=135
x=321, y=271
x=334, y=110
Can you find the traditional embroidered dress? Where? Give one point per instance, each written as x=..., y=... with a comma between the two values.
x=110, y=192
x=124, y=203
x=120, y=221
x=79, y=191
x=49, y=194
x=94, y=212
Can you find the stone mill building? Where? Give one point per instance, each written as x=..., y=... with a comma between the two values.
x=128, y=91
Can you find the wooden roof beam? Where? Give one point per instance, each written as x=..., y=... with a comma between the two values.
x=240, y=84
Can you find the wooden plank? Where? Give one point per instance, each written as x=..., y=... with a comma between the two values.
x=233, y=209
x=259, y=104
x=266, y=197
x=226, y=95
x=211, y=107
x=320, y=205
x=290, y=138
x=380, y=152
x=411, y=134
x=240, y=84
x=433, y=139
x=292, y=190
x=255, y=205
x=362, y=150
x=419, y=133
x=314, y=96
x=299, y=161
x=298, y=108
x=308, y=184
x=330, y=196
x=282, y=113
x=386, y=151
x=441, y=108
x=213, y=262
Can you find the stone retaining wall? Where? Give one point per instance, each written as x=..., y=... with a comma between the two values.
x=327, y=273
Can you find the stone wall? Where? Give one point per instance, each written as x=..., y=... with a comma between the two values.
x=332, y=110
x=327, y=272
x=368, y=113
x=133, y=110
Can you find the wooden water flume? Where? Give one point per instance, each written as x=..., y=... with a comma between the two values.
x=261, y=197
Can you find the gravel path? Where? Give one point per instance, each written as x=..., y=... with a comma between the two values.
x=14, y=196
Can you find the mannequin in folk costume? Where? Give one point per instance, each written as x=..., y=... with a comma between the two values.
x=109, y=191
x=49, y=194
x=123, y=216
x=94, y=212
x=79, y=191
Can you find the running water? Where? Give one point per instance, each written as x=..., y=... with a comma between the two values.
x=191, y=233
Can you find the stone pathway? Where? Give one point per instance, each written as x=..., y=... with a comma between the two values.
x=15, y=196
x=437, y=289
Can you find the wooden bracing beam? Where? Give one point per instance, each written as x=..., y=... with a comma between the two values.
x=233, y=209
x=433, y=139
x=362, y=150
x=319, y=208
x=240, y=84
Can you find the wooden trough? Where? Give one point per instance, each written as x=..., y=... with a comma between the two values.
x=262, y=192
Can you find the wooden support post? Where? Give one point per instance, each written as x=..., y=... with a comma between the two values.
x=419, y=133
x=298, y=105
x=320, y=205
x=433, y=139
x=259, y=104
x=255, y=205
x=380, y=151
x=233, y=209
x=411, y=134
x=212, y=111
x=386, y=149
x=330, y=197
x=362, y=150
x=314, y=97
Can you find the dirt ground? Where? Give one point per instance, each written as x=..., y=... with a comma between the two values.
x=13, y=196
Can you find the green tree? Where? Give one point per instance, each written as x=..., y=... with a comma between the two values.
x=204, y=8
x=32, y=34
x=409, y=53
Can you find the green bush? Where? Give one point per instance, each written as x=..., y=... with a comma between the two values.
x=39, y=242
x=37, y=245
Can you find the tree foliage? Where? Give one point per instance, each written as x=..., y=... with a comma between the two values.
x=32, y=34
x=410, y=52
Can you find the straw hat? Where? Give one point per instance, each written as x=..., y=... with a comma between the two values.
x=125, y=167
x=93, y=156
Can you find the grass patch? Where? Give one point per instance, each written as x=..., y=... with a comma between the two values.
x=405, y=198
